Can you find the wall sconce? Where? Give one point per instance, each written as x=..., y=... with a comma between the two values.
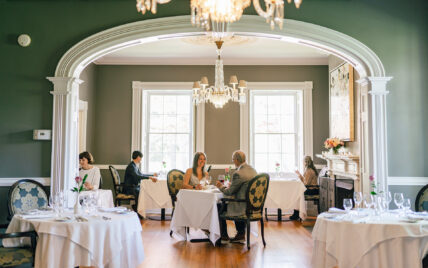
x=24, y=40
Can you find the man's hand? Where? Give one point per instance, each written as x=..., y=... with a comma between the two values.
x=219, y=184
x=198, y=187
x=155, y=174
x=154, y=179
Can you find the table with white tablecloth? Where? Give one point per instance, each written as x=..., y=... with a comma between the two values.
x=104, y=197
x=104, y=240
x=153, y=195
x=286, y=194
x=368, y=241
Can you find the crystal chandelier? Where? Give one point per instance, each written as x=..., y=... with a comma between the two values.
x=219, y=94
x=205, y=13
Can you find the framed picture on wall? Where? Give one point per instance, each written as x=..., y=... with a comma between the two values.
x=342, y=102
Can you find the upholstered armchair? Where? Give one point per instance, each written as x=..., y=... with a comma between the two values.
x=174, y=181
x=255, y=199
x=17, y=256
x=25, y=195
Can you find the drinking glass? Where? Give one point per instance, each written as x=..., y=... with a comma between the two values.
x=209, y=180
x=347, y=204
x=382, y=205
x=368, y=200
x=358, y=198
x=221, y=178
x=407, y=205
x=388, y=198
x=398, y=199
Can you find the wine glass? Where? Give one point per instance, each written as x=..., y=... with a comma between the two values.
x=221, y=178
x=347, y=204
x=388, y=198
x=398, y=199
x=407, y=204
x=209, y=180
x=358, y=198
x=368, y=200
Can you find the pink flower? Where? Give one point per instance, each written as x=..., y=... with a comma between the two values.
x=371, y=178
x=226, y=170
x=78, y=179
x=277, y=164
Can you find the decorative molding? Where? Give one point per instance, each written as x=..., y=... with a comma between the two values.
x=137, y=120
x=200, y=128
x=45, y=181
x=407, y=181
x=83, y=107
x=364, y=60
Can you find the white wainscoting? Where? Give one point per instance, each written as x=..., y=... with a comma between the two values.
x=45, y=181
x=407, y=181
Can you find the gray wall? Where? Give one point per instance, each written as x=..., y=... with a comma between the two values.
x=112, y=126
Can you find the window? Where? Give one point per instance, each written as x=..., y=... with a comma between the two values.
x=276, y=122
x=167, y=129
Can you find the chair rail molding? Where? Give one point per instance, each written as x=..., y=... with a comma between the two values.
x=72, y=63
x=7, y=182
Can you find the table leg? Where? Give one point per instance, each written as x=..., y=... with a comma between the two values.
x=161, y=218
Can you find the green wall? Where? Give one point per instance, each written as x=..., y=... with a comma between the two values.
x=395, y=30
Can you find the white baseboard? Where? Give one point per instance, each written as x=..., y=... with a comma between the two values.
x=45, y=181
x=407, y=181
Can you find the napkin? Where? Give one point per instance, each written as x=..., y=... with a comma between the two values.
x=114, y=209
x=336, y=211
x=37, y=216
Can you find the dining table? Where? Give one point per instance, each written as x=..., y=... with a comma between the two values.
x=110, y=237
x=197, y=210
x=286, y=193
x=365, y=239
x=154, y=196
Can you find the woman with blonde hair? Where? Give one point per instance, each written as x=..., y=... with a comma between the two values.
x=196, y=173
x=309, y=178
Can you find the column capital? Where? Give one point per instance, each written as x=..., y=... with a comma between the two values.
x=377, y=84
x=63, y=85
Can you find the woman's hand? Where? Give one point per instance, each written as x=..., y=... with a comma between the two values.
x=154, y=179
x=88, y=186
x=298, y=173
x=198, y=187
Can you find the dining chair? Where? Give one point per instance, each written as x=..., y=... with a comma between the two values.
x=118, y=187
x=17, y=256
x=25, y=195
x=255, y=198
x=421, y=203
x=174, y=181
x=313, y=197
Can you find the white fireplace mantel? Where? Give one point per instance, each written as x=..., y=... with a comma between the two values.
x=343, y=165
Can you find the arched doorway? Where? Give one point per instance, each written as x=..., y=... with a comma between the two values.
x=66, y=81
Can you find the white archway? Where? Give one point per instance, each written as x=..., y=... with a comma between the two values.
x=66, y=81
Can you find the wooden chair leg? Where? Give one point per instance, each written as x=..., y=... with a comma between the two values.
x=248, y=234
x=262, y=226
x=266, y=215
x=170, y=233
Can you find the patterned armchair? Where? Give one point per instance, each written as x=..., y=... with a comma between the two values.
x=174, y=181
x=25, y=195
x=118, y=188
x=255, y=199
x=19, y=256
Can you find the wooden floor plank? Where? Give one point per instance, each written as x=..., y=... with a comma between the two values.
x=289, y=245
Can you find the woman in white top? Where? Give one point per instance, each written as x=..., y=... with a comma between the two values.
x=195, y=174
x=86, y=168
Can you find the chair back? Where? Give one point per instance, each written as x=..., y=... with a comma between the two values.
x=116, y=179
x=174, y=180
x=25, y=195
x=100, y=186
x=256, y=193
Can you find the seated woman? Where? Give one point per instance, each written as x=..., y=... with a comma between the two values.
x=195, y=174
x=309, y=178
x=86, y=168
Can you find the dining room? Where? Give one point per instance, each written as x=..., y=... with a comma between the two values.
x=190, y=107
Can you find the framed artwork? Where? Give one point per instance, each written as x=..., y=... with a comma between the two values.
x=342, y=102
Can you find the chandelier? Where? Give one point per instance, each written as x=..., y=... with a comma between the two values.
x=205, y=13
x=219, y=94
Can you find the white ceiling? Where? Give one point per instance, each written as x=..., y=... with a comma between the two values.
x=200, y=50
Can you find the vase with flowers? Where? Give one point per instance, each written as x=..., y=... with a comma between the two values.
x=227, y=175
x=78, y=189
x=333, y=144
x=277, y=169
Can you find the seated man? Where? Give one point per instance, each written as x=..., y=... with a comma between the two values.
x=240, y=178
x=133, y=176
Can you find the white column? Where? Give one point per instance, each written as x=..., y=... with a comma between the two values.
x=64, y=163
x=378, y=133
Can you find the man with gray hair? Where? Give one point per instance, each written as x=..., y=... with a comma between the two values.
x=237, y=189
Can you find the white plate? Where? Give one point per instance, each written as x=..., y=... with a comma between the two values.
x=64, y=219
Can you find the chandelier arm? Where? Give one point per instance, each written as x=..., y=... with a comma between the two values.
x=265, y=14
x=163, y=1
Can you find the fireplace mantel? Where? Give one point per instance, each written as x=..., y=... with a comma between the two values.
x=343, y=165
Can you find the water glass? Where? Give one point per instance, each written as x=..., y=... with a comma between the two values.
x=368, y=200
x=358, y=198
x=407, y=204
x=398, y=199
x=388, y=198
x=347, y=204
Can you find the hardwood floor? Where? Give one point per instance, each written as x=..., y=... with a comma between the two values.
x=289, y=244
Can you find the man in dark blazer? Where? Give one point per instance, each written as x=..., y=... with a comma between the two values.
x=133, y=176
x=238, y=188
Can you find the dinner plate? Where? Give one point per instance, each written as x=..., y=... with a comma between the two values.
x=64, y=219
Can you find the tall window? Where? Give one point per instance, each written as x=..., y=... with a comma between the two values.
x=167, y=129
x=276, y=120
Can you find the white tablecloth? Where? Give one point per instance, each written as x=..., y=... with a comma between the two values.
x=286, y=194
x=385, y=243
x=105, y=197
x=101, y=243
x=153, y=195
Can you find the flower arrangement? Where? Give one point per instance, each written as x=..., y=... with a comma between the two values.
x=277, y=167
x=334, y=144
x=164, y=164
x=80, y=184
x=373, y=186
x=227, y=176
